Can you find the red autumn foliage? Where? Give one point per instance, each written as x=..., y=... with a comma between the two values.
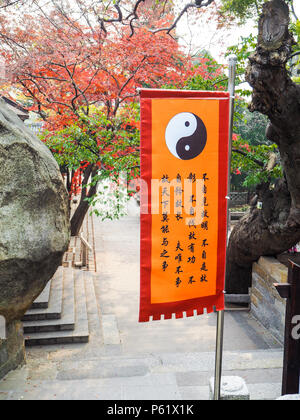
x=64, y=68
x=68, y=67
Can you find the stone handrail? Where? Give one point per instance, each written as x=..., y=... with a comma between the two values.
x=85, y=247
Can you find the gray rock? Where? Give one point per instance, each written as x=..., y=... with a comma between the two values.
x=12, y=349
x=34, y=216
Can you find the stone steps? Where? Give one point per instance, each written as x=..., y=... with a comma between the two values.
x=54, y=307
x=65, y=320
x=74, y=255
x=42, y=301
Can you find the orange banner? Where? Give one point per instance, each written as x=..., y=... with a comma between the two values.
x=184, y=159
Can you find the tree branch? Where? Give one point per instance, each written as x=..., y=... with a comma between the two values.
x=241, y=152
x=294, y=55
x=293, y=9
x=8, y=3
x=135, y=16
x=174, y=24
x=197, y=4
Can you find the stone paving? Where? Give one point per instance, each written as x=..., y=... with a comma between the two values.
x=126, y=360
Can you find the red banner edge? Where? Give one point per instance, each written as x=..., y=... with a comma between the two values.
x=173, y=93
x=191, y=306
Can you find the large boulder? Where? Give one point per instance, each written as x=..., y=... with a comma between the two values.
x=34, y=216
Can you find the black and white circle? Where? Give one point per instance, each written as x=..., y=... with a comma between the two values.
x=186, y=135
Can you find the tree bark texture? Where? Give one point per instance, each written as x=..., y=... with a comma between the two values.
x=83, y=206
x=276, y=226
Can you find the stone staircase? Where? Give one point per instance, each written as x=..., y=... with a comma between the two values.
x=59, y=314
x=74, y=255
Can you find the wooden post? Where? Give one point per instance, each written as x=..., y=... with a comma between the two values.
x=291, y=363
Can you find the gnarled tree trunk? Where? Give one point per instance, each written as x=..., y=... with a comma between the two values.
x=276, y=227
x=83, y=206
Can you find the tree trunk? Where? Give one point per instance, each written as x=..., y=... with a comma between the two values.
x=83, y=206
x=276, y=227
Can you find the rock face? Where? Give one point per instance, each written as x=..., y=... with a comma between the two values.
x=12, y=349
x=34, y=216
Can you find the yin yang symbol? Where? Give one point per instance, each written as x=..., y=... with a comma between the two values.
x=186, y=136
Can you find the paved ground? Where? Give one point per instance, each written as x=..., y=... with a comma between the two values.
x=118, y=287
x=126, y=360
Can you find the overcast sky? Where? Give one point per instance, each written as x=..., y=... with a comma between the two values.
x=203, y=35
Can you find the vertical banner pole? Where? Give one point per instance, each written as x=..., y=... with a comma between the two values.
x=220, y=315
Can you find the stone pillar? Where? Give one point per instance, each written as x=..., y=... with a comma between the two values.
x=232, y=388
x=266, y=304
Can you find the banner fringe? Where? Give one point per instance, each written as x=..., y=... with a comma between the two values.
x=181, y=314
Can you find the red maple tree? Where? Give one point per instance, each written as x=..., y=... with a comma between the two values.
x=69, y=67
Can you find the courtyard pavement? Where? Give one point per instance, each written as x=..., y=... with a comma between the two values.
x=127, y=360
